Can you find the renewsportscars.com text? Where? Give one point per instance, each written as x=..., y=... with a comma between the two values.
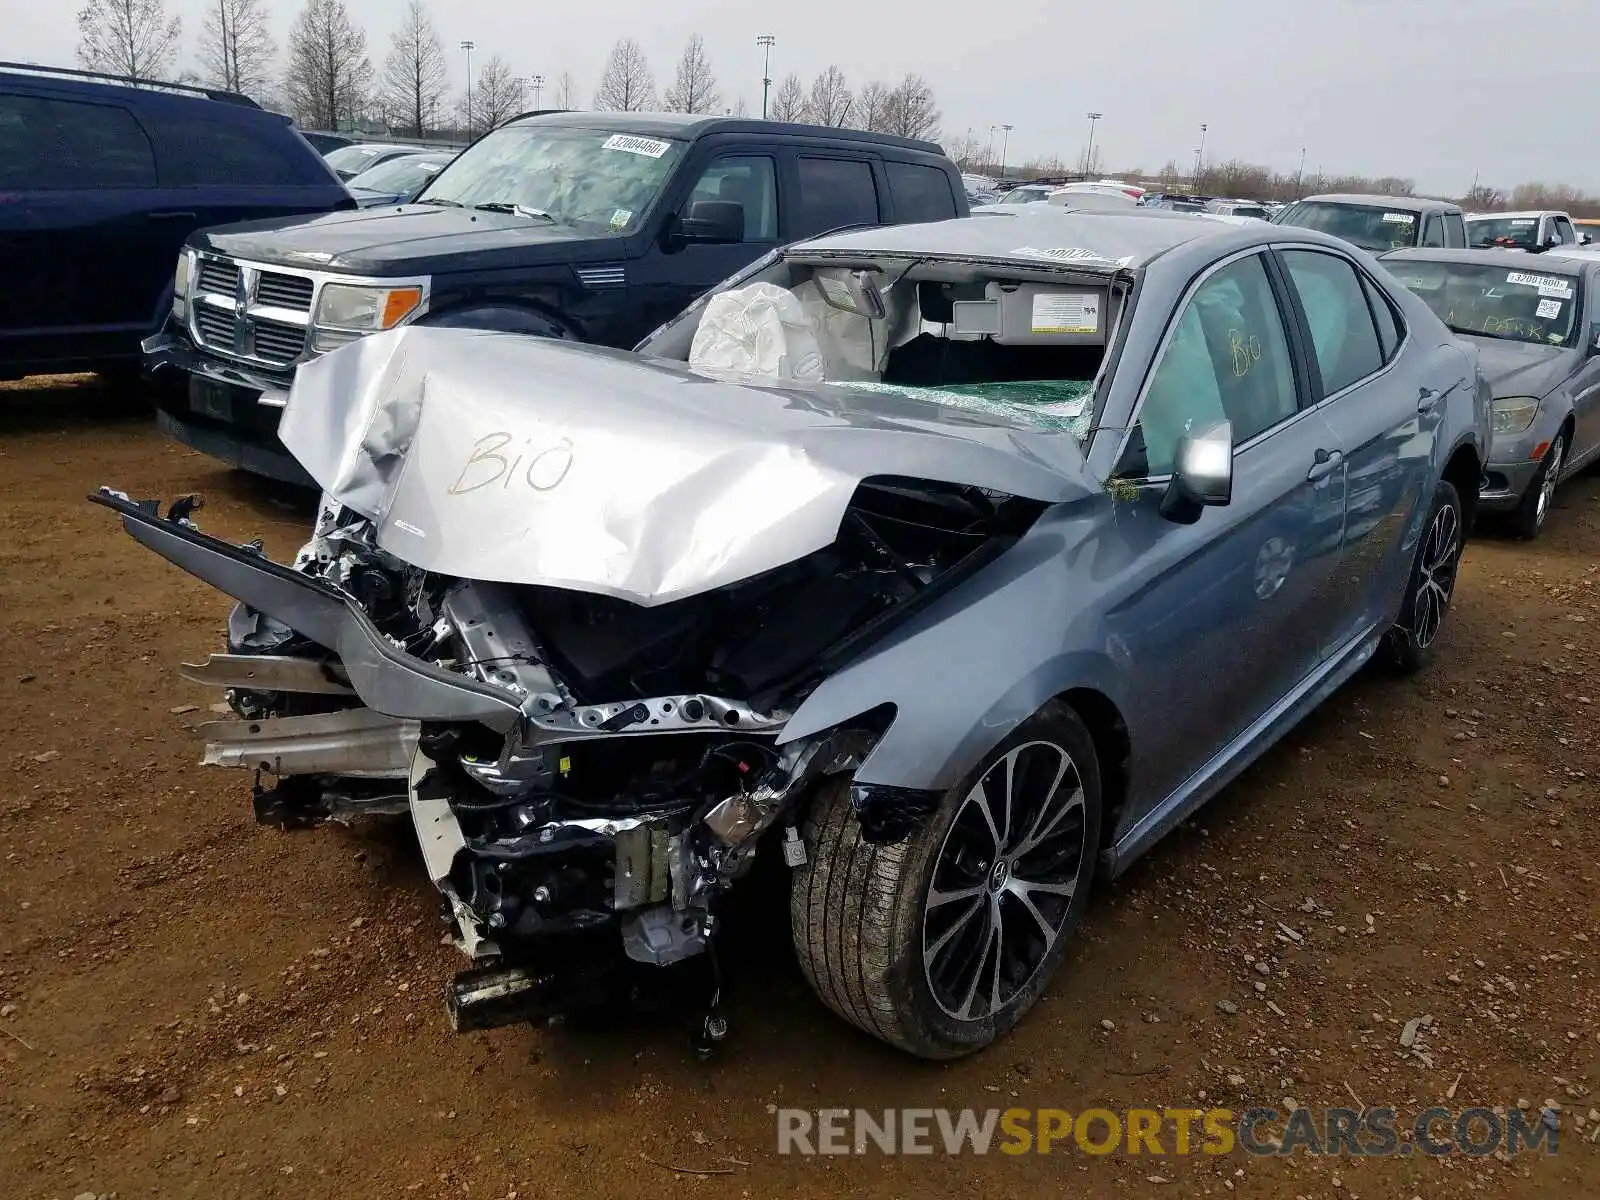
x=1372, y=1132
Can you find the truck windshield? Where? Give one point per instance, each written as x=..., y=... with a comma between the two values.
x=1374, y=229
x=1519, y=232
x=593, y=179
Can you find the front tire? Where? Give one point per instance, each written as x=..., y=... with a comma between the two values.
x=1433, y=580
x=1540, y=497
x=939, y=945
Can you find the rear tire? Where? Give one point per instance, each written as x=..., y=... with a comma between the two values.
x=1433, y=579
x=884, y=954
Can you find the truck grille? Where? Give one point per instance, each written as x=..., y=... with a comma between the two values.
x=284, y=291
x=277, y=314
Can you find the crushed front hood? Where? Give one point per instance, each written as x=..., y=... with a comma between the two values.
x=530, y=461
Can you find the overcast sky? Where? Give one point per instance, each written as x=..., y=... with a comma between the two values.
x=1435, y=90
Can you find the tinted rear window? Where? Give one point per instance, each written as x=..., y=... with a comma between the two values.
x=836, y=192
x=920, y=193
x=194, y=150
x=61, y=144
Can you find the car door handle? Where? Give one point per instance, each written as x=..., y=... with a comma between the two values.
x=1428, y=399
x=174, y=216
x=1325, y=463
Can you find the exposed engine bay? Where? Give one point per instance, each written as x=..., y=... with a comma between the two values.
x=631, y=767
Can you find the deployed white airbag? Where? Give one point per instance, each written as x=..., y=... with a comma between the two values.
x=761, y=331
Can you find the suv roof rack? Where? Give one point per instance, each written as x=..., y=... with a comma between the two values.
x=128, y=81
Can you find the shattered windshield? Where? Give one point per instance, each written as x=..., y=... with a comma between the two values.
x=1374, y=229
x=592, y=179
x=1489, y=300
x=1521, y=233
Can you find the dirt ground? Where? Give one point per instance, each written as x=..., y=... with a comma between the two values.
x=192, y=1005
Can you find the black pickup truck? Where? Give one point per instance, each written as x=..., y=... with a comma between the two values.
x=592, y=226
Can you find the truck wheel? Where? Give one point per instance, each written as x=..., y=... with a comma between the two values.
x=938, y=945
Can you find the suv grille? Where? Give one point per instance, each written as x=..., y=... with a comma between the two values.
x=272, y=328
x=284, y=291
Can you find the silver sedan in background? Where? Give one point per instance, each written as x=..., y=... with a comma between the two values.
x=1536, y=324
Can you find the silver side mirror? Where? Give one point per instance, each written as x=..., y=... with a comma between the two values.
x=1202, y=474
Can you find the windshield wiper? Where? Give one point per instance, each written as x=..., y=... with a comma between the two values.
x=437, y=200
x=516, y=210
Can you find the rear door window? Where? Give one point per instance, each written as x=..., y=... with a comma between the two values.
x=1335, y=304
x=194, y=150
x=920, y=193
x=835, y=192
x=1565, y=232
x=1455, y=230
x=1432, y=231
x=59, y=145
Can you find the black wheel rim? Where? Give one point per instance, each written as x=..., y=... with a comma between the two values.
x=1004, y=880
x=1436, y=575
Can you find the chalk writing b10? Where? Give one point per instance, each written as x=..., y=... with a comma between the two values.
x=541, y=468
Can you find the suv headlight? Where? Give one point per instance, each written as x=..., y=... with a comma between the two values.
x=1513, y=414
x=359, y=309
x=180, y=283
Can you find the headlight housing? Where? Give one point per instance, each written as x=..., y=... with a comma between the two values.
x=180, y=283
x=360, y=309
x=1513, y=414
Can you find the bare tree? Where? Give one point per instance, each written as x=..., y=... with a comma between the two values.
x=871, y=108
x=830, y=100
x=789, y=101
x=1481, y=197
x=329, y=71
x=910, y=110
x=566, y=91
x=236, y=48
x=133, y=38
x=416, y=74
x=694, y=90
x=626, y=84
x=739, y=109
x=496, y=96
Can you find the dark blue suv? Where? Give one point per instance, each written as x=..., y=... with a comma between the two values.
x=102, y=182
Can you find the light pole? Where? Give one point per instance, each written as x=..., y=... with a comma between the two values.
x=536, y=82
x=988, y=149
x=766, y=41
x=1088, y=156
x=1200, y=156
x=1300, y=173
x=1005, y=141
x=469, y=47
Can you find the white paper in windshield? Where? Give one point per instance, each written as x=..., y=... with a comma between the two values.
x=1549, y=285
x=649, y=147
x=1400, y=218
x=1066, y=312
x=1548, y=310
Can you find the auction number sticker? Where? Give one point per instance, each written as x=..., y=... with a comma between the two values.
x=1066, y=312
x=1552, y=286
x=1548, y=310
x=1400, y=218
x=649, y=147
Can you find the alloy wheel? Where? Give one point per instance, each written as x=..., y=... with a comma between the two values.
x=1004, y=881
x=1436, y=575
x=1547, y=484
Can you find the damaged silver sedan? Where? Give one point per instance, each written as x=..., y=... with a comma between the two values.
x=954, y=564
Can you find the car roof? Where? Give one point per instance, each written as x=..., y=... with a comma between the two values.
x=1562, y=264
x=1130, y=238
x=689, y=126
x=1392, y=203
x=1526, y=212
x=125, y=88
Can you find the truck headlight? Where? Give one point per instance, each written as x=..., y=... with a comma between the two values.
x=180, y=284
x=365, y=309
x=1513, y=414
